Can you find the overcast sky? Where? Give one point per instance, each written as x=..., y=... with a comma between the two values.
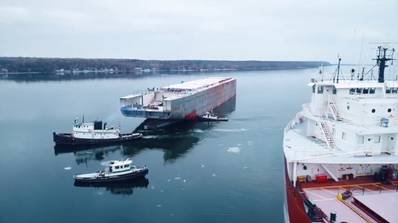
x=197, y=29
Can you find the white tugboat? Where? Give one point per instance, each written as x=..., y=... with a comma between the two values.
x=341, y=150
x=117, y=170
x=93, y=133
x=210, y=117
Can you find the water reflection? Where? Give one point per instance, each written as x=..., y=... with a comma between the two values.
x=85, y=154
x=119, y=188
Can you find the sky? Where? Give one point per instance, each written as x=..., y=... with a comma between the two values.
x=198, y=29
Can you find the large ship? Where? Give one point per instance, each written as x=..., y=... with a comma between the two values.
x=341, y=153
x=183, y=101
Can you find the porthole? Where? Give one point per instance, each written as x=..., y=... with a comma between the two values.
x=389, y=110
x=369, y=139
x=392, y=138
x=348, y=107
x=304, y=167
x=373, y=110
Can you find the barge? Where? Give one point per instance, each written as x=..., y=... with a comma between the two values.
x=183, y=101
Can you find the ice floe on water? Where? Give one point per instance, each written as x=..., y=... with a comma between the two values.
x=249, y=143
x=230, y=130
x=233, y=150
x=159, y=205
x=213, y=175
x=168, y=180
x=153, y=187
x=184, y=181
x=245, y=167
x=67, y=168
x=177, y=178
x=198, y=131
x=202, y=166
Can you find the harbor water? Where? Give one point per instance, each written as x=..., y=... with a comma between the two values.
x=198, y=172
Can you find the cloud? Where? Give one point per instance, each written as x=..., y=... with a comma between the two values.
x=196, y=29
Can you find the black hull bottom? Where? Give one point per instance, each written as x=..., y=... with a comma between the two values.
x=103, y=181
x=66, y=139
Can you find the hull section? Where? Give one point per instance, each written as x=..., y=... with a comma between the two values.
x=294, y=203
x=188, y=105
x=66, y=139
x=111, y=179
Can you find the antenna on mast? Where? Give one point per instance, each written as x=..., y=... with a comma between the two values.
x=338, y=70
x=381, y=60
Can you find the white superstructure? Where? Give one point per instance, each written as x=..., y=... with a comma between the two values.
x=94, y=130
x=350, y=127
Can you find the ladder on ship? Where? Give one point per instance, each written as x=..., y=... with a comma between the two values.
x=328, y=135
x=334, y=111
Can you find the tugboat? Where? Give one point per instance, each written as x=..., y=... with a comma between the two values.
x=93, y=133
x=116, y=171
x=210, y=117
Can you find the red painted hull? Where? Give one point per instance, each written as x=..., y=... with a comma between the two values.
x=294, y=203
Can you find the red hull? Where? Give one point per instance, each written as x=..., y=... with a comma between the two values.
x=295, y=203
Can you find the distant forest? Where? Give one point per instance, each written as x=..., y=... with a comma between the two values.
x=61, y=66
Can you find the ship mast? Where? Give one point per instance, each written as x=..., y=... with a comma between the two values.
x=381, y=60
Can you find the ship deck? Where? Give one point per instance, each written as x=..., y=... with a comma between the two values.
x=302, y=148
x=370, y=202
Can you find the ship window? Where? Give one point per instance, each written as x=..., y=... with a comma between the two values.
x=343, y=136
x=372, y=90
x=304, y=167
x=377, y=139
x=334, y=90
x=369, y=139
x=394, y=90
x=125, y=166
x=348, y=107
x=359, y=90
x=352, y=91
x=320, y=89
x=313, y=88
x=392, y=138
x=388, y=90
x=389, y=110
x=365, y=90
x=361, y=140
x=116, y=167
x=373, y=110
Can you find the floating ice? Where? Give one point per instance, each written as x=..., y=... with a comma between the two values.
x=233, y=149
x=184, y=180
x=249, y=143
x=159, y=205
x=67, y=168
x=153, y=187
x=198, y=130
x=168, y=180
x=202, y=165
x=213, y=175
x=230, y=130
x=245, y=167
x=177, y=178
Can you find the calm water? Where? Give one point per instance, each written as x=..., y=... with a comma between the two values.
x=223, y=172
